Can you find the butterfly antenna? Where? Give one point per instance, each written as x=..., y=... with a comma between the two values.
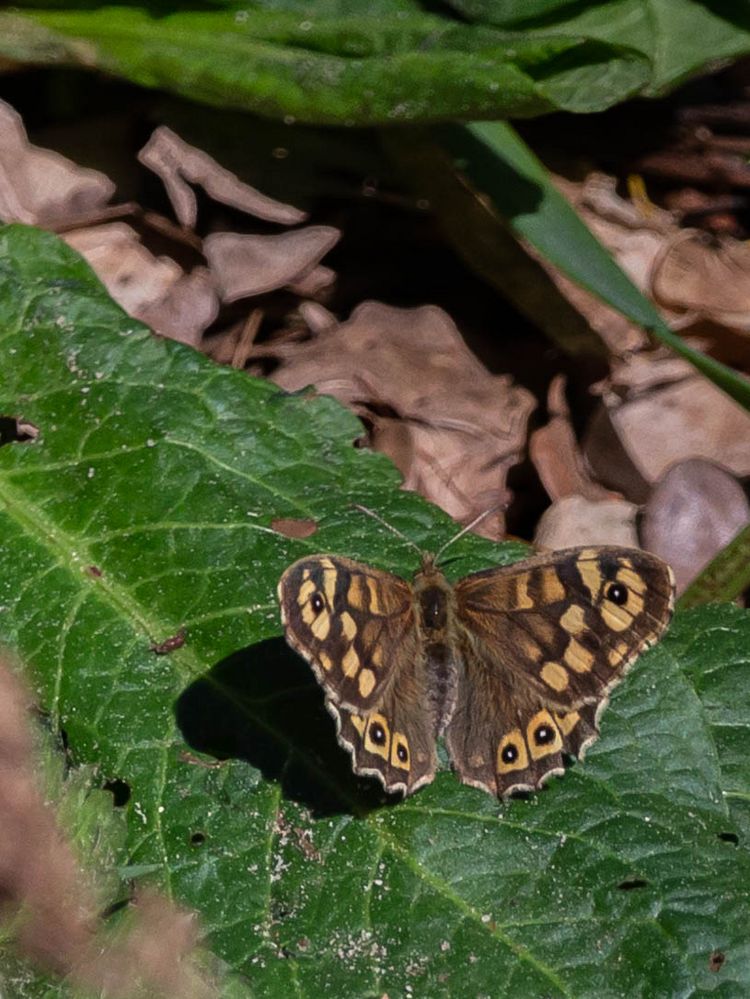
x=391, y=528
x=469, y=527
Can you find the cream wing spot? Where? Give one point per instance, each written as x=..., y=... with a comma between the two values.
x=348, y=625
x=375, y=605
x=308, y=615
x=577, y=657
x=329, y=582
x=325, y=661
x=616, y=618
x=574, y=620
x=566, y=723
x=588, y=567
x=618, y=653
x=321, y=625
x=552, y=589
x=356, y=593
x=350, y=662
x=522, y=599
x=632, y=580
x=366, y=682
x=555, y=676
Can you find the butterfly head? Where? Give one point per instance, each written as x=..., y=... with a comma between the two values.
x=429, y=561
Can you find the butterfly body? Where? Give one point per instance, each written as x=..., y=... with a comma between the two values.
x=512, y=665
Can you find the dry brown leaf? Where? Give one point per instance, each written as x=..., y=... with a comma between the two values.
x=317, y=317
x=687, y=419
x=294, y=527
x=554, y=451
x=635, y=239
x=133, y=276
x=189, y=307
x=710, y=279
x=245, y=265
x=152, y=289
x=451, y=427
x=177, y=162
x=644, y=370
x=576, y=520
x=315, y=283
x=695, y=509
x=41, y=187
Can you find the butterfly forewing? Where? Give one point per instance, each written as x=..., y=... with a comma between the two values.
x=569, y=622
x=351, y=622
x=542, y=644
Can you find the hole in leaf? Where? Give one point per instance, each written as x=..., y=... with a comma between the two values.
x=120, y=791
x=630, y=883
x=198, y=839
x=729, y=837
x=15, y=431
x=718, y=957
x=279, y=911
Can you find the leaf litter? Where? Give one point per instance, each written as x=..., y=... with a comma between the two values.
x=456, y=430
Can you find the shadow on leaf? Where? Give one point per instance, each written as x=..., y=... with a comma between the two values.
x=262, y=705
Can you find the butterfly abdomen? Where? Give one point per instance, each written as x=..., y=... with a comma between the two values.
x=435, y=609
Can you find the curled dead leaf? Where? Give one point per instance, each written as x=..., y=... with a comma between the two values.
x=554, y=451
x=453, y=428
x=41, y=187
x=179, y=164
x=245, y=265
x=710, y=278
x=578, y=520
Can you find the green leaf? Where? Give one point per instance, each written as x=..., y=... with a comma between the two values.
x=146, y=505
x=330, y=62
x=499, y=164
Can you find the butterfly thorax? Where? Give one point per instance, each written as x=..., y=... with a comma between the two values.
x=435, y=610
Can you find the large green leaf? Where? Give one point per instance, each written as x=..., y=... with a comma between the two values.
x=389, y=61
x=146, y=504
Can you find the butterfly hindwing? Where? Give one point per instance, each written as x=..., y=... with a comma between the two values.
x=396, y=742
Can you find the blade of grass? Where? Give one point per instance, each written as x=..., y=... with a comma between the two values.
x=497, y=162
x=725, y=577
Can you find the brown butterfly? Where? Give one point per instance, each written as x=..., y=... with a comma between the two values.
x=512, y=665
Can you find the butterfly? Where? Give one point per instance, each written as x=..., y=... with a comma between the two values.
x=511, y=665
